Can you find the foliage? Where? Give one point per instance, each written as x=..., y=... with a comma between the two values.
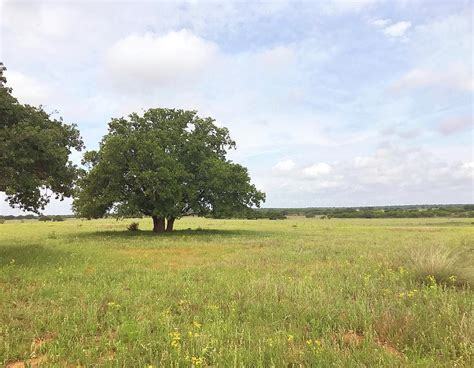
x=34, y=153
x=246, y=293
x=165, y=164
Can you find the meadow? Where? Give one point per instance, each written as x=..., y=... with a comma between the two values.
x=234, y=293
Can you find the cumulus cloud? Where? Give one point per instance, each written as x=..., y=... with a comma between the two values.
x=397, y=29
x=380, y=22
x=284, y=166
x=151, y=59
x=28, y=89
x=390, y=174
x=318, y=169
x=455, y=125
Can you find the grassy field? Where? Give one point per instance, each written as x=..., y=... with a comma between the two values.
x=297, y=292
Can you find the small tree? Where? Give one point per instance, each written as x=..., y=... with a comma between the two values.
x=165, y=164
x=34, y=153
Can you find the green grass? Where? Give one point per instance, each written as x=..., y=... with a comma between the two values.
x=298, y=292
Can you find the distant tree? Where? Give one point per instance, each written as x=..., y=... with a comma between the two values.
x=34, y=153
x=165, y=164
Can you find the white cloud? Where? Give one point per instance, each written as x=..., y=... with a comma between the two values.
x=381, y=22
x=27, y=89
x=284, y=166
x=150, y=59
x=455, y=124
x=455, y=76
x=391, y=174
x=397, y=29
x=318, y=169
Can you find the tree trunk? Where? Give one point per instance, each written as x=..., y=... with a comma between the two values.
x=169, y=225
x=158, y=224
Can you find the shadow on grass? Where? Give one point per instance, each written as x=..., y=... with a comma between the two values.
x=204, y=234
x=30, y=255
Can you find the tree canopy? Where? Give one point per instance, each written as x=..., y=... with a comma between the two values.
x=165, y=164
x=34, y=153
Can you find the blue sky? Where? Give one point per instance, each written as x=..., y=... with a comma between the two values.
x=332, y=103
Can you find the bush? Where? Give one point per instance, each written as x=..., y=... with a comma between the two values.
x=447, y=266
x=2, y=221
x=134, y=226
x=57, y=218
x=45, y=218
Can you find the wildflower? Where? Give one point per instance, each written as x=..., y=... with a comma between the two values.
x=309, y=342
x=197, y=361
x=432, y=281
x=290, y=338
x=113, y=305
x=197, y=324
x=412, y=293
x=175, y=339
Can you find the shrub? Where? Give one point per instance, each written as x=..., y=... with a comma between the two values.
x=445, y=265
x=2, y=221
x=134, y=226
x=57, y=218
x=45, y=218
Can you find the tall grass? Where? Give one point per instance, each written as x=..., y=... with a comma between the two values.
x=443, y=264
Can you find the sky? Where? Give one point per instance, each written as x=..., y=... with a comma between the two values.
x=331, y=103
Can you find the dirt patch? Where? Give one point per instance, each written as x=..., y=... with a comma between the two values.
x=390, y=348
x=352, y=338
x=38, y=342
x=30, y=363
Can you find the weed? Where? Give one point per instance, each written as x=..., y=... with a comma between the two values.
x=134, y=226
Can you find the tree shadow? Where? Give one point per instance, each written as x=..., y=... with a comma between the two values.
x=31, y=255
x=197, y=234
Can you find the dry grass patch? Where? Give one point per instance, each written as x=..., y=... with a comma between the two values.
x=450, y=266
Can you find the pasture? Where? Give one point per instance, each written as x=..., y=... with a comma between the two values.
x=232, y=293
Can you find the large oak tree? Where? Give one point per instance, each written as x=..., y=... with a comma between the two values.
x=34, y=153
x=165, y=164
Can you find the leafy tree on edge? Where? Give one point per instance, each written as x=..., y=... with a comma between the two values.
x=34, y=153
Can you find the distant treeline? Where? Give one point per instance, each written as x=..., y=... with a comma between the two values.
x=410, y=211
x=465, y=210
x=36, y=217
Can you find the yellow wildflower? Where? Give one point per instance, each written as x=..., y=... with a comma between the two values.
x=197, y=324
x=197, y=361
